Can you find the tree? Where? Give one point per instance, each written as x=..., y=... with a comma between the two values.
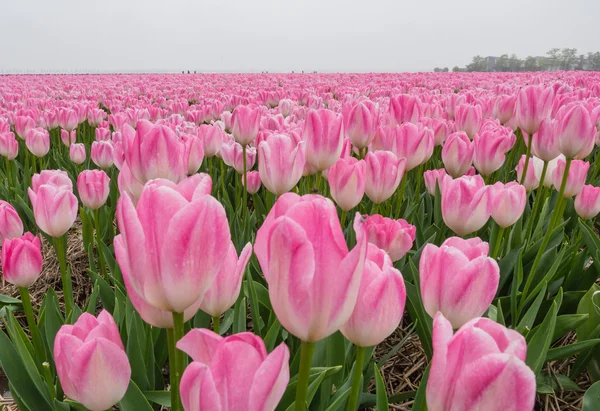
x=553, y=58
x=456, y=69
x=514, y=63
x=502, y=63
x=531, y=64
x=478, y=64
x=445, y=69
x=568, y=58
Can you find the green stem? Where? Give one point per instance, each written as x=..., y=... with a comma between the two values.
x=536, y=203
x=223, y=172
x=27, y=171
x=401, y=194
x=217, y=324
x=307, y=350
x=178, y=365
x=172, y=361
x=356, y=378
x=245, y=190
x=419, y=179
x=344, y=214
x=49, y=379
x=497, y=242
x=98, y=241
x=527, y=154
x=59, y=245
x=36, y=337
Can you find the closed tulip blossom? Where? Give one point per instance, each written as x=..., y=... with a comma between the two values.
x=22, y=259
x=212, y=139
x=465, y=204
x=587, y=202
x=380, y=303
x=253, y=182
x=225, y=290
x=435, y=177
x=154, y=151
x=102, y=154
x=38, y=142
x=404, y=109
x=395, y=237
x=280, y=163
x=9, y=146
x=54, y=204
x=128, y=184
x=457, y=154
x=414, y=142
x=233, y=155
x=480, y=367
x=68, y=119
x=468, y=118
x=22, y=126
x=68, y=138
x=194, y=153
x=77, y=153
x=324, y=137
x=507, y=202
x=313, y=278
x=489, y=151
x=360, y=123
x=93, y=187
x=11, y=225
x=458, y=279
x=91, y=363
x=575, y=179
x=544, y=144
x=232, y=373
x=383, y=175
x=347, y=182
x=504, y=108
x=534, y=104
x=532, y=180
x=173, y=243
x=58, y=178
x=245, y=123
x=576, y=132
x=102, y=134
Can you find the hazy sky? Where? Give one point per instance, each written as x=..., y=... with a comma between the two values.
x=284, y=35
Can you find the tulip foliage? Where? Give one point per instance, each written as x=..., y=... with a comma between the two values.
x=252, y=239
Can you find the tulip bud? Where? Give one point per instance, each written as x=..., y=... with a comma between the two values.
x=280, y=163
x=347, y=182
x=233, y=155
x=77, y=153
x=383, y=175
x=212, y=139
x=534, y=104
x=68, y=138
x=360, y=123
x=194, y=153
x=468, y=118
x=22, y=260
x=489, y=148
x=532, y=180
x=544, y=144
x=38, y=142
x=413, y=142
x=587, y=202
x=433, y=177
x=22, y=126
x=508, y=203
x=576, y=178
x=93, y=187
x=380, y=303
x=245, y=122
x=11, y=225
x=102, y=154
x=9, y=146
x=395, y=237
x=504, y=108
x=458, y=279
x=91, y=363
x=68, y=119
x=404, y=109
x=576, y=132
x=457, y=154
x=253, y=179
x=324, y=137
x=465, y=204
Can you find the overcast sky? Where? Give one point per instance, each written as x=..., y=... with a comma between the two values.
x=284, y=35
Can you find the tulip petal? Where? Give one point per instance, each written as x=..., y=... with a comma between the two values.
x=270, y=380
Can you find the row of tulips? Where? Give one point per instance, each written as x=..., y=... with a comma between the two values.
x=461, y=198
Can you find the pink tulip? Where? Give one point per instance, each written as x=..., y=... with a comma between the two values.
x=587, y=202
x=544, y=144
x=313, y=278
x=395, y=237
x=441, y=130
x=347, y=182
x=534, y=104
x=38, y=142
x=458, y=153
x=93, y=187
x=465, y=204
x=254, y=182
x=576, y=132
x=383, y=175
x=68, y=119
x=194, y=153
x=481, y=367
x=9, y=146
x=245, y=122
x=224, y=292
x=54, y=204
x=95, y=116
x=77, y=153
x=103, y=134
x=433, y=177
x=404, y=109
x=489, y=148
x=128, y=184
x=413, y=142
x=360, y=123
x=504, y=108
x=233, y=155
x=11, y=225
x=324, y=137
x=458, y=279
x=58, y=178
x=507, y=202
x=68, y=138
x=102, y=154
x=575, y=179
x=280, y=163
x=232, y=373
x=468, y=118
x=532, y=180
x=22, y=125
x=154, y=151
x=380, y=303
x=212, y=139
x=91, y=362
x=173, y=243
x=22, y=259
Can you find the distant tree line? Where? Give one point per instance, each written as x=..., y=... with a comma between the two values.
x=555, y=59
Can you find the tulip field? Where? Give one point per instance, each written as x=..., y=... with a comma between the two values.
x=226, y=242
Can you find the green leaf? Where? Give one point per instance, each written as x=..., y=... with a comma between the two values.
x=419, y=315
x=93, y=301
x=134, y=399
x=339, y=401
x=53, y=319
x=560, y=353
x=537, y=348
x=382, y=400
x=566, y=323
x=7, y=300
x=591, y=399
x=529, y=318
x=239, y=316
x=159, y=397
x=420, y=403
x=315, y=372
x=272, y=334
